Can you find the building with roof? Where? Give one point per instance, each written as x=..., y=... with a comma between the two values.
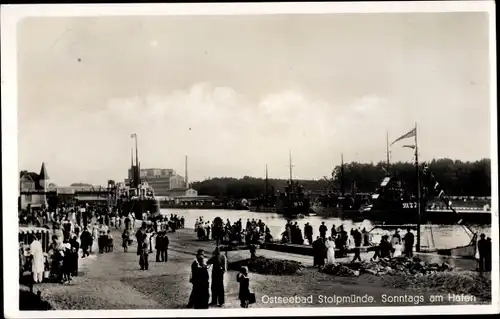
x=36, y=191
x=33, y=188
x=183, y=192
x=160, y=179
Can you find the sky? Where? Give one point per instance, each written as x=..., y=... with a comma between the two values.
x=235, y=93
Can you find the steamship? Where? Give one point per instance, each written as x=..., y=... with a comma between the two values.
x=392, y=203
x=138, y=196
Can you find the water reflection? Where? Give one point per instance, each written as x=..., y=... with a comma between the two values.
x=441, y=236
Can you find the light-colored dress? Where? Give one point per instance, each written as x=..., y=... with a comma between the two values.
x=330, y=252
x=38, y=259
x=398, y=250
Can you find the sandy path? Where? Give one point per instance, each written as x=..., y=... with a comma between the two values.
x=114, y=280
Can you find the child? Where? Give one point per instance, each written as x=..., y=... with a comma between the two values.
x=244, y=294
x=126, y=238
x=110, y=242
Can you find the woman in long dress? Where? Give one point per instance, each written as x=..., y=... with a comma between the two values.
x=330, y=251
x=37, y=265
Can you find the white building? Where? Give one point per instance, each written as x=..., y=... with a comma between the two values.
x=30, y=184
x=183, y=192
x=176, y=181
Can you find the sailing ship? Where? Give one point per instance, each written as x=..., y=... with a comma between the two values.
x=396, y=208
x=138, y=196
x=339, y=204
x=266, y=202
x=292, y=203
x=393, y=203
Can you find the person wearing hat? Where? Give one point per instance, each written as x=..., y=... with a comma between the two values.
x=219, y=267
x=141, y=236
x=200, y=281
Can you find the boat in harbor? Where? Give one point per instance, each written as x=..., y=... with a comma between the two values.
x=392, y=203
x=138, y=196
x=293, y=202
x=266, y=202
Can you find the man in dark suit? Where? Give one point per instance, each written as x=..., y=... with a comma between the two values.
x=159, y=246
x=219, y=267
x=200, y=281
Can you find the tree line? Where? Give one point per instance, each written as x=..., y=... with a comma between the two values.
x=457, y=178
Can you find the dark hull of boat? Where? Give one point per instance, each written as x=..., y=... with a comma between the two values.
x=409, y=216
x=204, y=206
x=139, y=207
x=262, y=209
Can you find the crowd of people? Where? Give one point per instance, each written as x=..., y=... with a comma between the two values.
x=337, y=242
x=78, y=229
x=254, y=232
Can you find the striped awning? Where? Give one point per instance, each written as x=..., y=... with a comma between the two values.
x=32, y=230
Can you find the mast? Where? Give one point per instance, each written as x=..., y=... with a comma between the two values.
x=267, y=184
x=388, y=152
x=342, y=186
x=290, y=158
x=418, y=191
x=136, y=152
x=136, y=173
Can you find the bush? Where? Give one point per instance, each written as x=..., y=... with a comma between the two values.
x=267, y=266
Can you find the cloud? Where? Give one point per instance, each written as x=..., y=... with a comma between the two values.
x=223, y=131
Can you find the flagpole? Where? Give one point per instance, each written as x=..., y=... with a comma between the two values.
x=387, y=149
x=418, y=191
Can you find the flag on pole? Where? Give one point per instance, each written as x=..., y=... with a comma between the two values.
x=409, y=146
x=411, y=133
x=133, y=135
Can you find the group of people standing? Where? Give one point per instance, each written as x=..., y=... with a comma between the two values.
x=145, y=237
x=63, y=258
x=202, y=288
x=254, y=232
x=484, y=253
x=336, y=246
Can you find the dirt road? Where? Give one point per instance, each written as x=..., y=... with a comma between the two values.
x=115, y=281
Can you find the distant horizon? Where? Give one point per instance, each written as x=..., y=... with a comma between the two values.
x=255, y=176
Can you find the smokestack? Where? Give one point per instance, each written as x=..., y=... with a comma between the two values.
x=186, y=172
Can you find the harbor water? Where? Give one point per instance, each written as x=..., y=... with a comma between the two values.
x=441, y=236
